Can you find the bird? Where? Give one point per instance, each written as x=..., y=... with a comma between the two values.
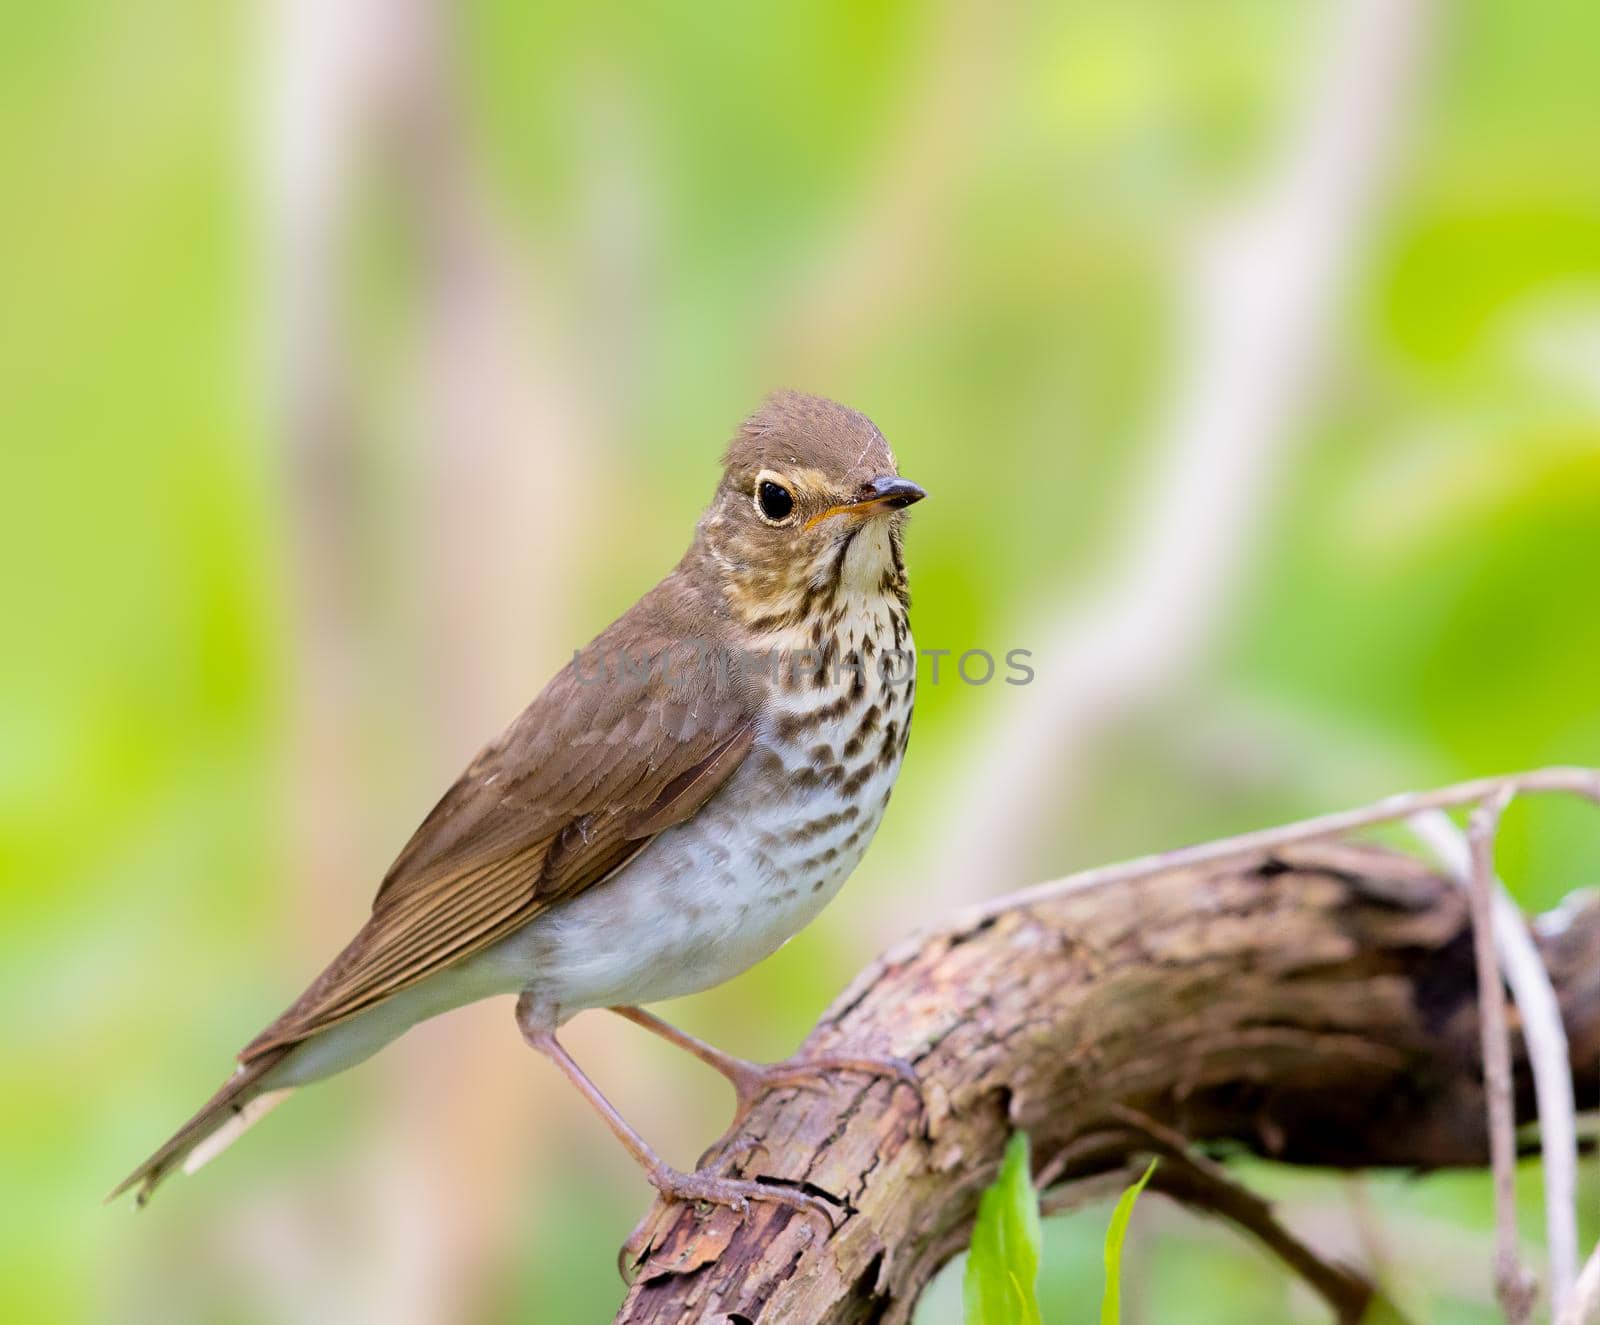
x=680, y=800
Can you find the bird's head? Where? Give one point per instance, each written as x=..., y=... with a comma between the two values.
x=809, y=504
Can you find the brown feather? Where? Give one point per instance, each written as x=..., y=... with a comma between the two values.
x=690, y=790
x=571, y=791
x=235, y=1092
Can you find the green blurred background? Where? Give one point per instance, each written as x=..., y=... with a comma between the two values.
x=358, y=361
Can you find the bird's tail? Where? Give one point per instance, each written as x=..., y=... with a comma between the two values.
x=243, y=1101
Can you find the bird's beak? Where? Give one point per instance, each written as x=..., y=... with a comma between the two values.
x=882, y=494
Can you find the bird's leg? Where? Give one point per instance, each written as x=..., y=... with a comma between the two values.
x=736, y=1193
x=752, y=1080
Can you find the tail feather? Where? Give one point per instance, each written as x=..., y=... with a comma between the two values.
x=240, y=1103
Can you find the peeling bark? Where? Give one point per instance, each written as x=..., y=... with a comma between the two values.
x=1316, y=1006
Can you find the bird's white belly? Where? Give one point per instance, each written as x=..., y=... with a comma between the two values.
x=703, y=902
x=711, y=897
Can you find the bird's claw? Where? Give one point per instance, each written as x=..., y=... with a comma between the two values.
x=736, y=1193
x=729, y=1151
x=803, y=1074
x=702, y=1189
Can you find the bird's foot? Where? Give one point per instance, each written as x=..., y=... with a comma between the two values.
x=753, y=1080
x=709, y=1189
x=737, y=1193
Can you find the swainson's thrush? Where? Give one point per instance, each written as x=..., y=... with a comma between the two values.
x=678, y=802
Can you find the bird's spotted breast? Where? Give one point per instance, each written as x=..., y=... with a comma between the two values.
x=833, y=750
x=712, y=896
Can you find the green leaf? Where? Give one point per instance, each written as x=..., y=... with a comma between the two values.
x=1003, y=1266
x=1111, y=1303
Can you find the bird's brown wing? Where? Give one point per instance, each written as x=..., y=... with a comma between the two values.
x=575, y=786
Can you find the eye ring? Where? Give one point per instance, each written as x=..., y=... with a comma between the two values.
x=774, y=502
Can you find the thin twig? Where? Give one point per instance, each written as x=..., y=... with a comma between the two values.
x=1514, y=1286
x=1583, y=1307
x=1549, y=1053
x=1572, y=781
x=1192, y=1178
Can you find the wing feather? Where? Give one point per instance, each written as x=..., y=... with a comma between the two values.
x=571, y=791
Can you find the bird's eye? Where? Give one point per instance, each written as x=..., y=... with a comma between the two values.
x=774, y=501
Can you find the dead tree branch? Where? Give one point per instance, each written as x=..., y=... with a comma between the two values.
x=1314, y=1003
